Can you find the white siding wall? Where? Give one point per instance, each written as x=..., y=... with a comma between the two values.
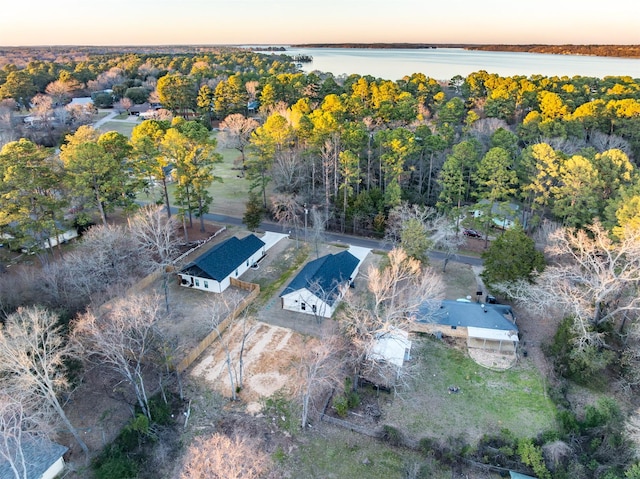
x=295, y=300
x=219, y=287
x=204, y=284
x=55, y=469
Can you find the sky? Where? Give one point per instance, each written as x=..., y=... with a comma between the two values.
x=285, y=22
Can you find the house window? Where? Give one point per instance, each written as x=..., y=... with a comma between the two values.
x=197, y=282
x=206, y=284
x=303, y=306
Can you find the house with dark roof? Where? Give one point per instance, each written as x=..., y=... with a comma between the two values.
x=34, y=459
x=484, y=326
x=212, y=271
x=320, y=285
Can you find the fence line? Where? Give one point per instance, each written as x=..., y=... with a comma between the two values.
x=238, y=283
x=350, y=426
x=213, y=335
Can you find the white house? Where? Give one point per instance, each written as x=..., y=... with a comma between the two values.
x=319, y=287
x=213, y=270
x=42, y=459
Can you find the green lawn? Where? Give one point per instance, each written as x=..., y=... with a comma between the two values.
x=343, y=454
x=487, y=402
x=124, y=128
x=230, y=195
x=459, y=280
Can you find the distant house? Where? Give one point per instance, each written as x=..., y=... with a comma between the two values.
x=252, y=106
x=319, y=287
x=141, y=110
x=40, y=241
x=62, y=237
x=82, y=101
x=42, y=460
x=503, y=215
x=484, y=326
x=213, y=270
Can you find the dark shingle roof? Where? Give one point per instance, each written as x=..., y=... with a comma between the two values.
x=321, y=276
x=39, y=455
x=221, y=260
x=465, y=314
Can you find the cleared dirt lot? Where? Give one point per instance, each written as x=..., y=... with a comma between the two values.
x=270, y=360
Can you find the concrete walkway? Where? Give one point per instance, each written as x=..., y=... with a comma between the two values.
x=102, y=121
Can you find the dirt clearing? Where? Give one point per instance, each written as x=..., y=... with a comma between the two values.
x=270, y=358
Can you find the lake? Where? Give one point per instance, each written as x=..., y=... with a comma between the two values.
x=445, y=63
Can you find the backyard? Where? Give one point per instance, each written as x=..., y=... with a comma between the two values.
x=484, y=401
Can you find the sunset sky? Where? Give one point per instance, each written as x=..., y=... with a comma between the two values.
x=150, y=22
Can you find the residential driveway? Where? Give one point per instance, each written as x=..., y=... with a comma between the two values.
x=272, y=313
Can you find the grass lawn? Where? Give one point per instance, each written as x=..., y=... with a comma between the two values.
x=488, y=401
x=230, y=195
x=124, y=128
x=345, y=454
x=460, y=281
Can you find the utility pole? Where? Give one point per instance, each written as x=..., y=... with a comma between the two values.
x=306, y=212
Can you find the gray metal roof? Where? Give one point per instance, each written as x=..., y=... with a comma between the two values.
x=467, y=314
x=39, y=454
x=321, y=276
x=221, y=260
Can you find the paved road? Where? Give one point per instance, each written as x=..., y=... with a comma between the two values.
x=338, y=238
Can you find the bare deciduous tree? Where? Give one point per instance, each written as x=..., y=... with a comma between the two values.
x=395, y=293
x=440, y=232
x=318, y=227
x=156, y=236
x=42, y=108
x=445, y=237
x=60, y=91
x=402, y=213
x=222, y=457
x=318, y=370
x=221, y=307
x=33, y=355
x=236, y=132
x=632, y=430
x=124, y=104
x=593, y=279
x=106, y=260
x=18, y=428
x=287, y=210
x=124, y=338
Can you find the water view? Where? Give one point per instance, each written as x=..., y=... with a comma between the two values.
x=445, y=63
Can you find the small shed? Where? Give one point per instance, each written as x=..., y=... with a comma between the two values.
x=392, y=347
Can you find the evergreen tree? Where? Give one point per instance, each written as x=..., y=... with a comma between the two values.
x=510, y=257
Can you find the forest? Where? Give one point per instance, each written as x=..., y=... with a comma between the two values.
x=366, y=155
